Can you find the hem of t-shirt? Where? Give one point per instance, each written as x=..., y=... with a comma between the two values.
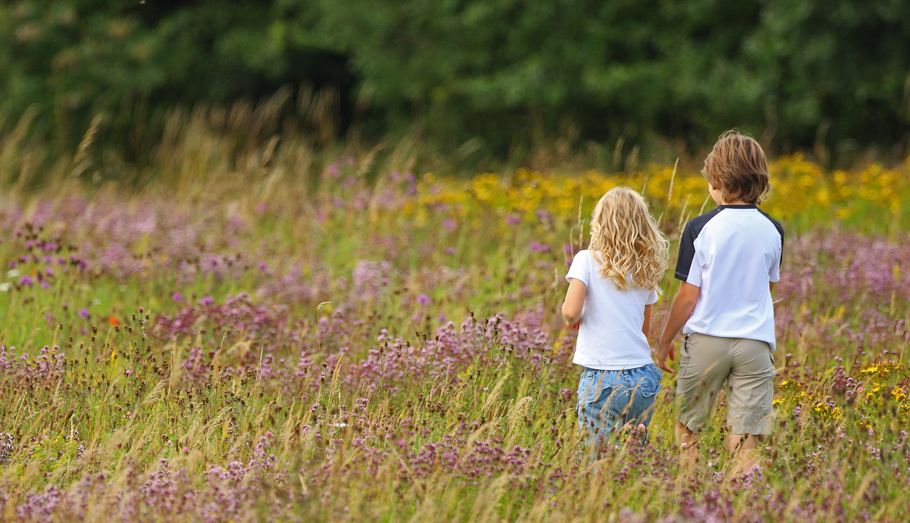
x=681, y=276
x=622, y=366
x=686, y=280
x=772, y=343
x=570, y=278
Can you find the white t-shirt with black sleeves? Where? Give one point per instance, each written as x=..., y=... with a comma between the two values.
x=610, y=335
x=732, y=253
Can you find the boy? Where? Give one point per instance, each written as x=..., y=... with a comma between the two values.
x=729, y=261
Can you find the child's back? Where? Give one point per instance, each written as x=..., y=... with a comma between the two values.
x=729, y=260
x=732, y=253
x=610, y=337
x=612, y=287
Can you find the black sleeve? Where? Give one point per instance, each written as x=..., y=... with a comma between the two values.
x=686, y=252
x=780, y=229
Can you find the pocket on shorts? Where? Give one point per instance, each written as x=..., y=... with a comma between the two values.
x=585, y=388
x=591, y=386
x=648, y=381
x=684, y=347
x=684, y=354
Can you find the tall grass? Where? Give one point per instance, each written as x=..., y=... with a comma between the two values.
x=264, y=330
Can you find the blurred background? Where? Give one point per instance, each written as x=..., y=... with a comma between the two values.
x=466, y=84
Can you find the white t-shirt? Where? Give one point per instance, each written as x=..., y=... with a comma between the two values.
x=732, y=253
x=610, y=336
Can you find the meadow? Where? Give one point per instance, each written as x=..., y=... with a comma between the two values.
x=244, y=342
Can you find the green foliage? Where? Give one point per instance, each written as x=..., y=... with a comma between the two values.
x=799, y=71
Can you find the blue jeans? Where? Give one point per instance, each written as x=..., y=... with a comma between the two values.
x=608, y=399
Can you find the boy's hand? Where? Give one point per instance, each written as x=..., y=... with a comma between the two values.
x=665, y=351
x=573, y=326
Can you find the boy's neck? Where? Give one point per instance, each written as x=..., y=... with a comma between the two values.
x=736, y=202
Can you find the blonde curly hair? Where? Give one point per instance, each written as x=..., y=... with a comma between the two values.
x=626, y=239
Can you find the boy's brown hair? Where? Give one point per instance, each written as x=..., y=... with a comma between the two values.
x=738, y=167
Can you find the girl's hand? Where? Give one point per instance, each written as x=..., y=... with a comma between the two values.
x=573, y=326
x=665, y=351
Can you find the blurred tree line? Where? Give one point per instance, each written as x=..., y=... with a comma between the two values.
x=795, y=72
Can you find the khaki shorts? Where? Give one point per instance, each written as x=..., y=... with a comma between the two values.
x=748, y=368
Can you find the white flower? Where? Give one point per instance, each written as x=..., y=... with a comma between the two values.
x=12, y=273
x=6, y=286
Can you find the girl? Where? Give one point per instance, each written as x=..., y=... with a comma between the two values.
x=612, y=287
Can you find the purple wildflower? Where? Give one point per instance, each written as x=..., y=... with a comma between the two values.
x=83, y=313
x=539, y=247
x=208, y=300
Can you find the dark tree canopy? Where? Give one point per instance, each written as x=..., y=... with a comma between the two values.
x=789, y=69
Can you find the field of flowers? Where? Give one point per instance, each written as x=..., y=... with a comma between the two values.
x=388, y=347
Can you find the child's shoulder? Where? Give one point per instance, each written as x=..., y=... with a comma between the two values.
x=588, y=256
x=582, y=258
x=695, y=225
x=777, y=225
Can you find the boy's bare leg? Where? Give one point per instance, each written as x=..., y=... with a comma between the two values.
x=744, y=448
x=686, y=439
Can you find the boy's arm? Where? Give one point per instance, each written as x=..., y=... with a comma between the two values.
x=575, y=301
x=681, y=310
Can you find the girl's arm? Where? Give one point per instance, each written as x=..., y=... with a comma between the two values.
x=646, y=326
x=575, y=301
x=682, y=308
